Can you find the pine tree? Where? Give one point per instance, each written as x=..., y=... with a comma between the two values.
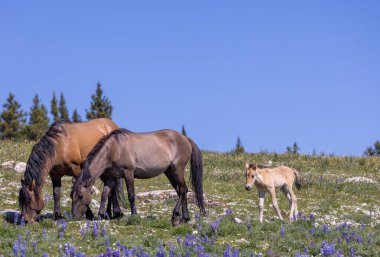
x=76, y=117
x=239, y=148
x=54, y=108
x=295, y=148
x=12, y=119
x=373, y=151
x=63, y=112
x=184, y=131
x=38, y=120
x=100, y=105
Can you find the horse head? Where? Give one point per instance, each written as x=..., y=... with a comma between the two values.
x=30, y=200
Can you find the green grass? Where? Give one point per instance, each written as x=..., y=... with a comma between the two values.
x=323, y=193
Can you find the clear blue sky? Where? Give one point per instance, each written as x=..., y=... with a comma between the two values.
x=270, y=72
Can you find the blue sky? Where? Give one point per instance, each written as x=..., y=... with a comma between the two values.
x=271, y=72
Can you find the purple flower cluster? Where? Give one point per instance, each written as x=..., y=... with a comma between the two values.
x=327, y=249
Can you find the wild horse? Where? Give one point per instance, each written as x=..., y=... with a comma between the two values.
x=129, y=155
x=61, y=151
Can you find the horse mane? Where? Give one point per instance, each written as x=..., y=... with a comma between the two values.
x=85, y=174
x=42, y=152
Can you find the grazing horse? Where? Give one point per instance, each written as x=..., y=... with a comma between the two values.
x=266, y=180
x=131, y=155
x=61, y=151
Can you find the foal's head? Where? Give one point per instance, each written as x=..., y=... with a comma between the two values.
x=250, y=172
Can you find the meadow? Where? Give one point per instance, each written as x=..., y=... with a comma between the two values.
x=339, y=213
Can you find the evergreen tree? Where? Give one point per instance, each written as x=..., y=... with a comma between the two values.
x=373, y=151
x=63, y=112
x=239, y=148
x=184, y=131
x=38, y=120
x=294, y=149
x=76, y=117
x=100, y=105
x=54, y=108
x=12, y=119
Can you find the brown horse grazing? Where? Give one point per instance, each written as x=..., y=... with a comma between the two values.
x=142, y=155
x=266, y=180
x=61, y=151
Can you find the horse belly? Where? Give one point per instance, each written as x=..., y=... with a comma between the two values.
x=149, y=173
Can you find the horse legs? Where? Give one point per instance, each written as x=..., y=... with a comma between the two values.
x=261, y=204
x=56, y=181
x=173, y=181
x=129, y=180
x=293, y=210
x=183, y=194
x=274, y=202
x=104, y=197
x=116, y=207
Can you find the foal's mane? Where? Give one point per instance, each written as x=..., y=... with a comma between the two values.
x=41, y=153
x=85, y=174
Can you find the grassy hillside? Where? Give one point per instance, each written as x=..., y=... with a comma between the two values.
x=335, y=214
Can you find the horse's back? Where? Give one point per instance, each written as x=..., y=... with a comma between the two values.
x=80, y=138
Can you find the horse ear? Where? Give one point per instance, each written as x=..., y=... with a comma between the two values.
x=246, y=166
x=32, y=185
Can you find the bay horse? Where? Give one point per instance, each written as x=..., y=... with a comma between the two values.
x=267, y=179
x=61, y=151
x=129, y=155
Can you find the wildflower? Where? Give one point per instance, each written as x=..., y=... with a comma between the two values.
x=179, y=240
x=236, y=253
x=197, y=217
x=327, y=249
x=312, y=244
x=282, y=231
x=312, y=231
x=214, y=226
x=82, y=232
x=325, y=228
x=34, y=246
x=249, y=227
x=199, y=227
x=15, y=248
x=44, y=232
x=312, y=216
x=95, y=230
x=369, y=238
x=45, y=255
x=103, y=231
x=171, y=251
x=22, y=222
x=199, y=249
x=352, y=252
x=305, y=250
x=359, y=239
x=226, y=253
x=229, y=211
x=107, y=241
x=339, y=254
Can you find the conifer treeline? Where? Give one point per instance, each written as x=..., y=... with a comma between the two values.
x=32, y=125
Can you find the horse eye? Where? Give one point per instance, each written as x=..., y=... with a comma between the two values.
x=253, y=176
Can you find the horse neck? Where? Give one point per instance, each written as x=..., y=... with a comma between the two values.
x=99, y=163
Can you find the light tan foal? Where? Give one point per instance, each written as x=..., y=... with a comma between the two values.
x=267, y=179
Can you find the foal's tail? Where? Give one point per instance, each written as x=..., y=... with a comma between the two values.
x=196, y=174
x=298, y=179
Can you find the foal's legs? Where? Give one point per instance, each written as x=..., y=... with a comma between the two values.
x=116, y=207
x=104, y=197
x=293, y=210
x=261, y=204
x=274, y=201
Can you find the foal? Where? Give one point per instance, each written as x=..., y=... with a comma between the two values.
x=266, y=180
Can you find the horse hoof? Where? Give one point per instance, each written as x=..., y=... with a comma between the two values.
x=58, y=216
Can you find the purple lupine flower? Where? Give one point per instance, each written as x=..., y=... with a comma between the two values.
x=44, y=232
x=236, y=253
x=103, y=233
x=179, y=240
x=229, y=211
x=250, y=227
x=305, y=250
x=171, y=251
x=34, y=246
x=116, y=253
x=312, y=231
x=82, y=232
x=312, y=244
x=187, y=254
x=95, y=231
x=327, y=249
x=199, y=249
x=197, y=217
x=339, y=240
x=199, y=227
x=312, y=216
x=15, y=248
x=259, y=255
x=214, y=226
x=282, y=231
x=325, y=228
x=359, y=239
x=22, y=222
x=369, y=239
x=45, y=255
x=226, y=253
x=107, y=241
x=352, y=252
x=339, y=254
x=348, y=239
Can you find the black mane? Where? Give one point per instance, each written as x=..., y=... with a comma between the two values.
x=42, y=152
x=85, y=174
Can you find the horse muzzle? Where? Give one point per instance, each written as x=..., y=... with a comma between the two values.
x=248, y=187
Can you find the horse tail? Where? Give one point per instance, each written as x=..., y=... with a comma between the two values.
x=196, y=174
x=298, y=179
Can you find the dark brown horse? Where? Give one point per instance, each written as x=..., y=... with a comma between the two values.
x=142, y=155
x=61, y=151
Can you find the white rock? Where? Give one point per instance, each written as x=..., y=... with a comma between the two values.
x=8, y=165
x=360, y=179
x=20, y=167
x=238, y=220
x=241, y=241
